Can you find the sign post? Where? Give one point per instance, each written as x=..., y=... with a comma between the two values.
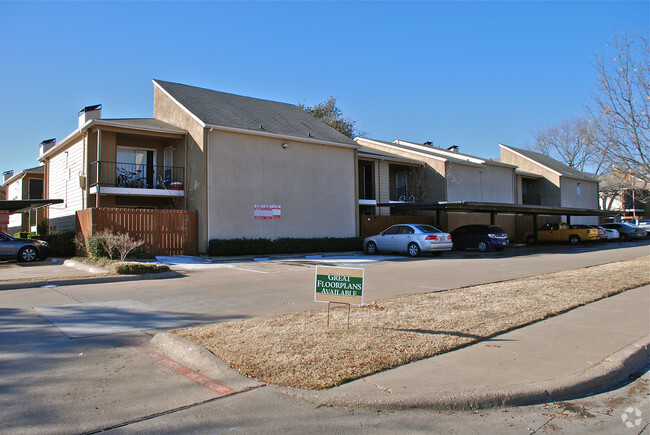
x=339, y=285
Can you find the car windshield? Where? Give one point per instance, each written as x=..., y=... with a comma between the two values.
x=427, y=229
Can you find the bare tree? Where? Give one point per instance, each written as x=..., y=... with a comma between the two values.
x=620, y=113
x=571, y=142
x=125, y=244
x=108, y=241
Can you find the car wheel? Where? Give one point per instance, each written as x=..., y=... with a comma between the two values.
x=530, y=240
x=28, y=254
x=414, y=249
x=482, y=246
x=574, y=240
x=371, y=248
x=623, y=236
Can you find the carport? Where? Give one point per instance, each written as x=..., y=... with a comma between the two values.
x=494, y=208
x=25, y=205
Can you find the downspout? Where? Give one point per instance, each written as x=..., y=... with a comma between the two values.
x=207, y=183
x=99, y=147
x=84, y=196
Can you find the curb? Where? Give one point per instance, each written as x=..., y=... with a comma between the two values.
x=16, y=285
x=201, y=360
x=613, y=370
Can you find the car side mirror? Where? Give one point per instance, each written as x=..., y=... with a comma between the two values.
x=381, y=234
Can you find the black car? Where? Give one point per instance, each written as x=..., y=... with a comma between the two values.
x=481, y=237
x=22, y=249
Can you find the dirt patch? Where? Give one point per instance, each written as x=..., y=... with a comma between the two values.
x=299, y=350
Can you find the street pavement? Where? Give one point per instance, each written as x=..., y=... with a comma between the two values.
x=86, y=362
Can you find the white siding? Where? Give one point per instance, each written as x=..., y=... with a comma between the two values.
x=63, y=182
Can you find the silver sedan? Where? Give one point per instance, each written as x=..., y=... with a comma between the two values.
x=410, y=238
x=22, y=249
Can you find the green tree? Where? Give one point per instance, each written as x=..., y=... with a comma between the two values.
x=333, y=116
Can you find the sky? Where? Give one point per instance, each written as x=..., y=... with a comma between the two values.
x=465, y=73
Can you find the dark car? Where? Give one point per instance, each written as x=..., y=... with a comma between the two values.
x=22, y=249
x=627, y=231
x=481, y=237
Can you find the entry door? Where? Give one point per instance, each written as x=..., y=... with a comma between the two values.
x=137, y=164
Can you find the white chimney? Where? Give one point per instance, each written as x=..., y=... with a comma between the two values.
x=90, y=112
x=7, y=175
x=453, y=148
x=47, y=145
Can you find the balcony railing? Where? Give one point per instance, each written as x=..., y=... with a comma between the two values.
x=136, y=176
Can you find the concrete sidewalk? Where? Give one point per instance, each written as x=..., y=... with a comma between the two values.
x=577, y=353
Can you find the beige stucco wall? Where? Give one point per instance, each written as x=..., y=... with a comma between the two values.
x=313, y=184
x=485, y=183
x=166, y=110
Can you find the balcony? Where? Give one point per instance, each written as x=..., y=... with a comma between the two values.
x=136, y=179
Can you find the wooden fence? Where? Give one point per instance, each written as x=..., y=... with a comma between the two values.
x=165, y=232
x=372, y=224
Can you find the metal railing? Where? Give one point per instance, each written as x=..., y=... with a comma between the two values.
x=138, y=176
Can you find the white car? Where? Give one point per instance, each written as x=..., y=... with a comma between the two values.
x=410, y=238
x=610, y=233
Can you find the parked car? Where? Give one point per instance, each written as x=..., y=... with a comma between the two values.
x=602, y=235
x=627, y=231
x=22, y=249
x=561, y=232
x=481, y=237
x=610, y=233
x=410, y=238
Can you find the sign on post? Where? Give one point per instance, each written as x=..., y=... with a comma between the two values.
x=339, y=285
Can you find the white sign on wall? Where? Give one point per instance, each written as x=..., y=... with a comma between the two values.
x=267, y=212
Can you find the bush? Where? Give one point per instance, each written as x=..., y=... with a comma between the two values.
x=24, y=235
x=61, y=243
x=138, y=268
x=95, y=248
x=218, y=247
x=141, y=255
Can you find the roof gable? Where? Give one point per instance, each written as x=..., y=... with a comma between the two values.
x=220, y=109
x=550, y=163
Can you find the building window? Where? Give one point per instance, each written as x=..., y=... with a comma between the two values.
x=366, y=181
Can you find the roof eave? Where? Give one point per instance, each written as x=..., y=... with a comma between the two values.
x=280, y=136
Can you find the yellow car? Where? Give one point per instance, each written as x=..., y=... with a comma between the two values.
x=563, y=232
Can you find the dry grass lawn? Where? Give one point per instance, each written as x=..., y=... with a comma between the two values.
x=299, y=350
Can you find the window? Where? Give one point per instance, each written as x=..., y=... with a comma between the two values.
x=401, y=183
x=135, y=167
x=366, y=181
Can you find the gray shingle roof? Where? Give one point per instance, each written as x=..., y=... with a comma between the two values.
x=221, y=109
x=553, y=164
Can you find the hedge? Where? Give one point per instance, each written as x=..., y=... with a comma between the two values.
x=61, y=243
x=220, y=247
x=138, y=268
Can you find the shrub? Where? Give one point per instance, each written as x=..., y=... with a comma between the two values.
x=24, y=235
x=128, y=268
x=141, y=255
x=61, y=243
x=95, y=248
x=218, y=247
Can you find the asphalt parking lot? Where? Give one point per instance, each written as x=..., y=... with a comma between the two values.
x=67, y=352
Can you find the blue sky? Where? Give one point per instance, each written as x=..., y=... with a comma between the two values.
x=472, y=74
